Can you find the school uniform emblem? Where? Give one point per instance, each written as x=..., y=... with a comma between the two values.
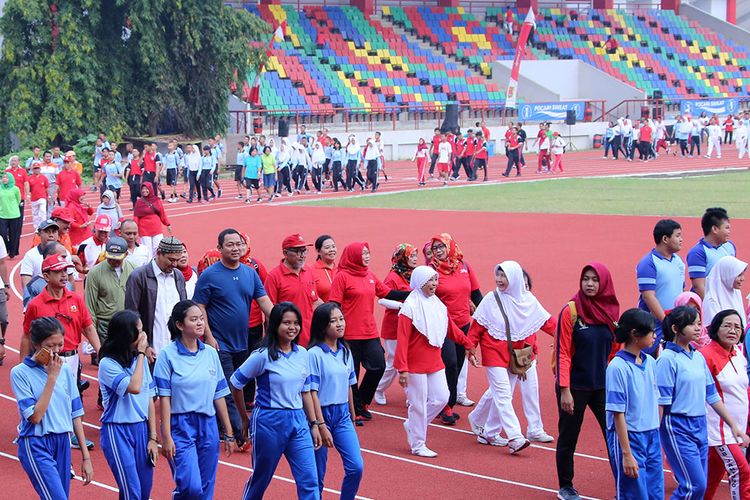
x=212, y=372
x=74, y=309
x=372, y=282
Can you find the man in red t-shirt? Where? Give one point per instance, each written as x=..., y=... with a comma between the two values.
x=67, y=180
x=292, y=281
x=437, y=138
x=485, y=131
x=644, y=141
x=511, y=146
x=149, y=164
x=480, y=156
x=468, y=155
x=38, y=186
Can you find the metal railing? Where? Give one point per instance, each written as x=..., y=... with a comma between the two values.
x=656, y=108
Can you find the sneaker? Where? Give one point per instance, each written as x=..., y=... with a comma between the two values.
x=239, y=197
x=365, y=413
x=359, y=421
x=568, y=493
x=220, y=193
x=408, y=434
x=518, y=444
x=494, y=441
x=76, y=445
x=464, y=401
x=540, y=437
x=447, y=418
x=478, y=430
x=380, y=398
x=424, y=452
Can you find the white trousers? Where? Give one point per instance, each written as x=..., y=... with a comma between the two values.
x=427, y=395
x=495, y=410
x=714, y=142
x=463, y=379
x=151, y=243
x=38, y=211
x=390, y=373
x=741, y=143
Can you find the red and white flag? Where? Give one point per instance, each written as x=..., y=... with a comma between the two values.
x=280, y=32
x=523, y=38
x=252, y=95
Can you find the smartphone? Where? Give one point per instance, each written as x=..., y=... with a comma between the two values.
x=43, y=356
x=151, y=459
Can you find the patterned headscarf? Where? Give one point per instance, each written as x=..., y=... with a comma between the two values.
x=454, y=255
x=400, y=260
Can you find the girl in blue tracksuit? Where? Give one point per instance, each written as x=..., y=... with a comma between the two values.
x=633, y=411
x=337, y=160
x=192, y=389
x=128, y=434
x=283, y=420
x=50, y=409
x=685, y=387
x=331, y=378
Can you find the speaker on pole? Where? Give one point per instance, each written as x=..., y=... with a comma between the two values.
x=570, y=117
x=283, y=127
x=450, y=123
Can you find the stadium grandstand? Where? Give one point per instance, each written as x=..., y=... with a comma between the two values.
x=340, y=62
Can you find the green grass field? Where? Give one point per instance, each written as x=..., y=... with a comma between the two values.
x=687, y=196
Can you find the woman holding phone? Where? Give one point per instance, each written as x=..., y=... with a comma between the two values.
x=50, y=408
x=128, y=435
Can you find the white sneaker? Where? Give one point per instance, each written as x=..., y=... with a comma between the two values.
x=424, y=452
x=518, y=444
x=464, y=401
x=540, y=437
x=495, y=441
x=408, y=434
x=380, y=398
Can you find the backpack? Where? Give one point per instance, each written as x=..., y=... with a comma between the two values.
x=573, y=320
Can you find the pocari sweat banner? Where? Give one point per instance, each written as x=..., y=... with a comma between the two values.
x=710, y=106
x=550, y=111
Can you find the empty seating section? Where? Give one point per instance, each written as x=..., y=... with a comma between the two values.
x=658, y=51
x=334, y=57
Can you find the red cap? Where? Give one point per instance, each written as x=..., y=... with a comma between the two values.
x=62, y=214
x=103, y=223
x=55, y=263
x=294, y=241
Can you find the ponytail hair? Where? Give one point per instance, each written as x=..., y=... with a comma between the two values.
x=678, y=319
x=179, y=312
x=43, y=328
x=634, y=321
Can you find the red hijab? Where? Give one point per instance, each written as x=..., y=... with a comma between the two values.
x=73, y=204
x=245, y=258
x=209, y=258
x=422, y=144
x=454, y=258
x=603, y=308
x=149, y=204
x=187, y=272
x=351, y=259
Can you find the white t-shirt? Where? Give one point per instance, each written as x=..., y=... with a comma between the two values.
x=139, y=256
x=3, y=254
x=92, y=251
x=31, y=264
x=444, y=152
x=714, y=131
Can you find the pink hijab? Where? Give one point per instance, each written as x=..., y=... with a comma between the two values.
x=692, y=299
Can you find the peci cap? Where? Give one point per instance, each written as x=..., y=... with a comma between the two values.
x=55, y=263
x=294, y=241
x=103, y=223
x=170, y=244
x=62, y=214
x=117, y=248
x=46, y=224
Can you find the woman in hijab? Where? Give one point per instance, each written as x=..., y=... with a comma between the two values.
x=284, y=167
x=354, y=288
x=692, y=299
x=525, y=317
x=149, y=214
x=10, y=199
x=723, y=288
x=110, y=207
x=191, y=277
x=318, y=159
x=403, y=262
x=459, y=290
x=420, y=155
x=80, y=211
x=423, y=326
x=427, y=252
x=584, y=345
x=353, y=156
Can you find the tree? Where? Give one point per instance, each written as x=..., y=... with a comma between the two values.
x=68, y=69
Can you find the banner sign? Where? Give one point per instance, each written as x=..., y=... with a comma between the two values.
x=710, y=106
x=550, y=111
x=523, y=37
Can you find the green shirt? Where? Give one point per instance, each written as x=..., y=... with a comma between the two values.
x=105, y=290
x=10, y=198
x=269, y=164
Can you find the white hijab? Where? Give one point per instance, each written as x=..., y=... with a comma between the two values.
x=428, y=314
x=318, y=156
x=720, y=292
x=525, y=314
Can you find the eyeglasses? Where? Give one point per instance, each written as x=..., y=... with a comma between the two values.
x=438, y=247
x=732, y=328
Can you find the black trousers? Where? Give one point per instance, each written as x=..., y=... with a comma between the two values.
x=206, y=184
x=317, y=178
x=369, y=355
x=695, y=141
x=284, y=180
x=300, y=177
x=615, y=147
x=372, y=173
x=569, y=427
x=728, y=136
x=134, y=183
x=433, y=161
x=194, y=185
x=683, y=146
x=14, y=233
x=453, y=358
x=337, y=176
x=513, y=160
x=352, y=175
x=327, y=168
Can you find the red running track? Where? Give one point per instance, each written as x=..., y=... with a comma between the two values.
x=553, y=253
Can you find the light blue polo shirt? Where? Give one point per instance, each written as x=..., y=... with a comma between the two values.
x=111, y=169
x=665, y=276
x=192, y=379
x=208, y=163
x=120, y=406
x=631, y=389
x=685, y=382
x=28, y=380
x=279, y=383
x=702, y=257
x=172, y=160
x=330, y=374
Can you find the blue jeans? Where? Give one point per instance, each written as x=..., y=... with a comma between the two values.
x=230, y=361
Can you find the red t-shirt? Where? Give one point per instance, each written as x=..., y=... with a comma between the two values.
x=512, y=141
x=70, y=310
x=508, y=16
x=256, y=314
x=390, y=318
x=323, y=279
x=470, y=146
x=495, y=352
x=436, y=140
x=646, y=134
x=284, y=285
x=19, y=175
x=455, y=291
x=135, y=167
x=415, y=354
x=481, y=149
x=38, y=185
x=356, y=294
x=149, y=162
x=67, y=181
